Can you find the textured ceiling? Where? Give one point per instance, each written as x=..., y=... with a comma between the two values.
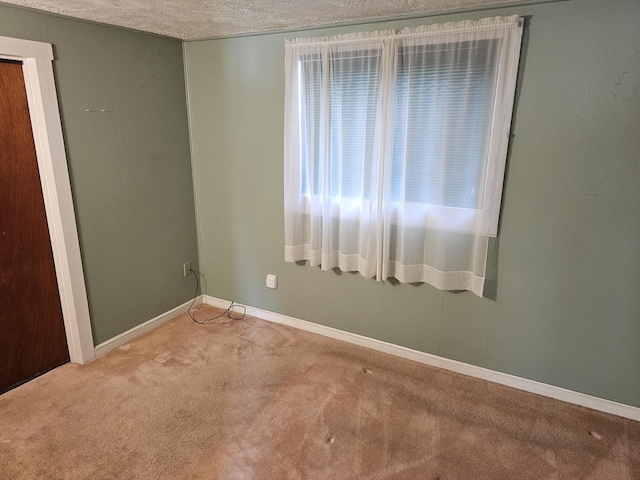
x=197, y=19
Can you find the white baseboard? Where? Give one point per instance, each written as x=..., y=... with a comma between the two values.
x=129, y=335
x=595, y=403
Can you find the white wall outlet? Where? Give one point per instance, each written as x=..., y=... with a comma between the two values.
x=186, y=269
x=272, y=281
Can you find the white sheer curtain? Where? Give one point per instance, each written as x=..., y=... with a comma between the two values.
x=395, y=144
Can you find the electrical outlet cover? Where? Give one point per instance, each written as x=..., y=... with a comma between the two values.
x=272, y=281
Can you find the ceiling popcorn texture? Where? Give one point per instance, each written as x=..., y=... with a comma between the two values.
x=200, y=19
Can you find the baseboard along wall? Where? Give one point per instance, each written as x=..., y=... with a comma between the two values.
x=577, y=398
x=569, y=396
x=126, y=337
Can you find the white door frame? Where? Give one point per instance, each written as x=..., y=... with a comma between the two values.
x=37, y=64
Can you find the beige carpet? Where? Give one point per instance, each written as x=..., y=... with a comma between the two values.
x=255, y=400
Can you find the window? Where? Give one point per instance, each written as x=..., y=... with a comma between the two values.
x=395, y=146
x=354, y=89
x=442, y=123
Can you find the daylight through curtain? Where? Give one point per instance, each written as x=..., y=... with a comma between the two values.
x=395, y=145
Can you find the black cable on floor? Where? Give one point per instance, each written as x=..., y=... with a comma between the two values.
x=229, y=312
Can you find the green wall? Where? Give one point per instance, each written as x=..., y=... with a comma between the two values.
x=129, y=164
x=567, y=299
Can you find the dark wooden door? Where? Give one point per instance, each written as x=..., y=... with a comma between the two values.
x=32, y=336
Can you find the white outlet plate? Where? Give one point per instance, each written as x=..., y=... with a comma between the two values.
x=272, y=281
x=186, y=269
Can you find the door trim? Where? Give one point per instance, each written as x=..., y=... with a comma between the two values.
x=37, y=58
